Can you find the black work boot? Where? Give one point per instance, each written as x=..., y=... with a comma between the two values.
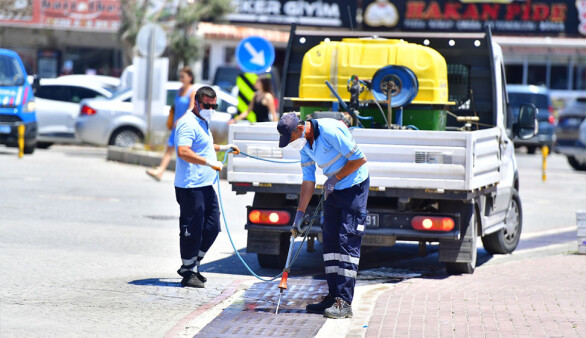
x=188, y=272
x=340, y=309
x=191, y=280
x=326, y=302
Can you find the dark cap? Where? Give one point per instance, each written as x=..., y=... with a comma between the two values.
x=286, y=126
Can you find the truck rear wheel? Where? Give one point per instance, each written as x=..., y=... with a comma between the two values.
x=506, y=240
x=276, y=261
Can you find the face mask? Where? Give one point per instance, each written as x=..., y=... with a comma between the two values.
x=299, y=143
x=207, y=114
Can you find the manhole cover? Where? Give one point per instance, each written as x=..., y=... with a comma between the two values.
x=254, y=315
x=386, y=273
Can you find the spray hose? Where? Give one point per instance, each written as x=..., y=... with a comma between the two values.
x=316, y=215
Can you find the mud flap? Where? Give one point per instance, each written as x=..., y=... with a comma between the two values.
x=464, y=249
x=264, y=242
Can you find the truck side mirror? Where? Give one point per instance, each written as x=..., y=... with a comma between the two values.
x=527, y=125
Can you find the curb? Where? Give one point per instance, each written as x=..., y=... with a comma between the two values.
x=143, y=158
x=137, y=156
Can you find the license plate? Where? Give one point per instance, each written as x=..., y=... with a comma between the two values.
x=572, y=122
x=5, y=129
x=371, y=221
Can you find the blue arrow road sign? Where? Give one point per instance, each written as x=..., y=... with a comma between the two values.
x=255, y=54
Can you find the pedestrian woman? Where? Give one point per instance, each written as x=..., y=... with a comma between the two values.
x=262, y=103
x=184, y=101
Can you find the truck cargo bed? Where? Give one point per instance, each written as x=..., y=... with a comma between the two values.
x=402, y=159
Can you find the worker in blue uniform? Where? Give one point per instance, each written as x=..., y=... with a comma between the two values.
x=328, y=144
x=195, y=173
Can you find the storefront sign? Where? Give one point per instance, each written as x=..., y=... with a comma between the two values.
x=282, y=12
x=95, y=15
x=567, y=17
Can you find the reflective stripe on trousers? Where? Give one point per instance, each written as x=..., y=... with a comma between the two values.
x=344, y=211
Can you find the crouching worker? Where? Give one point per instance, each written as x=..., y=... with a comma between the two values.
x=329, y=144
x=195, y=172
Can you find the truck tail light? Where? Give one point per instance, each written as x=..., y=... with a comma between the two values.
x=87, y=110
x=270, y=217
x=432, y=223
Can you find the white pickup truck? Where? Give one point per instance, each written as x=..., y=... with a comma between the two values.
x=450, y=185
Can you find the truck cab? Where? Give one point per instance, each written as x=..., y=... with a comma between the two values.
x=17, y=103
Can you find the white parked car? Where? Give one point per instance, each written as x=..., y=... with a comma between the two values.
x=113, y=122
x=58, y=101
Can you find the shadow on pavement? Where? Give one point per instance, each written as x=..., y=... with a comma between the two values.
x=401, y=257
x=168, y=282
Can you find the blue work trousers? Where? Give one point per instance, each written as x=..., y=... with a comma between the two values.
x=199, y=224
x=343, y=227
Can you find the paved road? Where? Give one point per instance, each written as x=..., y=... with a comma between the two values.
x=90, y=247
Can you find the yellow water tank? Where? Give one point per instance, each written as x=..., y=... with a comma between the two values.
x=337, y=61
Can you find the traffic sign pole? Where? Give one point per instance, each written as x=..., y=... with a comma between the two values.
x=149, y=84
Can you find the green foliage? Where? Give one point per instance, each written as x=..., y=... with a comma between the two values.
x=183, y=44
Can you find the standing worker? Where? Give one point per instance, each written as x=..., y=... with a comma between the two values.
x=195, y=173
x=329, y=144
x=183, y=103
x=262, y=103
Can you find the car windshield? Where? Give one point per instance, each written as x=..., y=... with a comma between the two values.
x=539, y=100
x=10, y=72
x=121, y=94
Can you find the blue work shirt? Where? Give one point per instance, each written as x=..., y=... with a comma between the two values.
x=333, y=146
x=194, y=132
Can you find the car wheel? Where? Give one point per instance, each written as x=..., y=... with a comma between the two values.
x=506, y=240
x=125, y=138
x=29, y=148
x=576, y=164
x=531, y=149
x=44, y=145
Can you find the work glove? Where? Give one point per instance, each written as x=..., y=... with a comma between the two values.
x=296, y=227
x=330, y=185
x=227, y=147
x=216, y=165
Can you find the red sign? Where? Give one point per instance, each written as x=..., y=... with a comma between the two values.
x=96, y=15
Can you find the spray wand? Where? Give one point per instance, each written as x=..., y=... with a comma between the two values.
x=304, y=231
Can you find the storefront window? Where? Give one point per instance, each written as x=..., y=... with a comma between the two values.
x=536, y=75
x=206, y=64
x=580, y=78
x=559, y=77
x=514, y=74
x=92, y=61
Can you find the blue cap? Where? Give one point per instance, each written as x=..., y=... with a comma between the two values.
x=286, y=126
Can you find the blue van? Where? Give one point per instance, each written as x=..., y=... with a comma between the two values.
x=17, y=103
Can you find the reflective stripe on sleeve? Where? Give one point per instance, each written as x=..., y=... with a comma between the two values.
x=307, y=164
x=352, y=152
x=332, y=161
